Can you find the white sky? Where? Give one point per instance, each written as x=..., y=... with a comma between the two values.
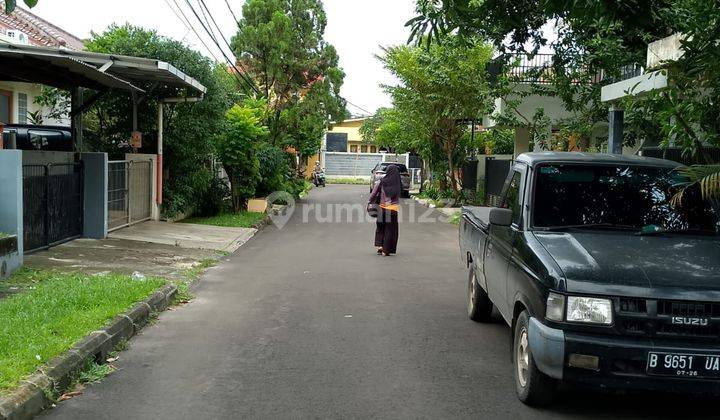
x=355, y=28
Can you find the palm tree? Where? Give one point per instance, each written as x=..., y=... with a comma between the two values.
x=706, y=177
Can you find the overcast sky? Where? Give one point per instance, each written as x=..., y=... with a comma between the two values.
x=356, y=28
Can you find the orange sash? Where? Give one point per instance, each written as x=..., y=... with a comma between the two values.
x=393, y=207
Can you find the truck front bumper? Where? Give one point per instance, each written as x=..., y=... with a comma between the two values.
x=622, y=360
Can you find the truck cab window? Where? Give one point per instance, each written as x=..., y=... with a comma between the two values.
x=512, y=197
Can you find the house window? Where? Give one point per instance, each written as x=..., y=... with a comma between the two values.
x=363, y=149
x=373, y=149
x=22, y=108
x=6, y=106
x=353, y=148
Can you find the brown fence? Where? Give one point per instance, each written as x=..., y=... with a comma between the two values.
x=129, y=192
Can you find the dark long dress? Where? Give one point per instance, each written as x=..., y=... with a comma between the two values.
x=386, y=229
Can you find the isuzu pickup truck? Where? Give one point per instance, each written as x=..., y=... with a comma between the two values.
x=604, y=279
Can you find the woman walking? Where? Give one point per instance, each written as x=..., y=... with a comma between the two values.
x=386, y=231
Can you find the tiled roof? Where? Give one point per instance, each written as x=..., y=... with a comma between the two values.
x=39, y=31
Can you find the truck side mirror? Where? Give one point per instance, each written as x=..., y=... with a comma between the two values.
x=501, y=217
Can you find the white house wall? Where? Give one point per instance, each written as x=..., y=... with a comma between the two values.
x=553, y=106
x=32, y=91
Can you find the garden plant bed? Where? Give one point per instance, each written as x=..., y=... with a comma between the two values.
x=244, y=219
x=59, y=322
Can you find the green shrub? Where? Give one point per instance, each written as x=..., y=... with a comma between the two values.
x=215, y=200
x=274, y=169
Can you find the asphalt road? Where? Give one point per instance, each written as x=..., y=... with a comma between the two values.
x=307, y=322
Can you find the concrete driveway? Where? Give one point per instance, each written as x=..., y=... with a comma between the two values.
x=120, y=256
x=151, y=248
x=186, y=235
x=307, y=322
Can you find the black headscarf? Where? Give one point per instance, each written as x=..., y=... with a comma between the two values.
x=391, y=183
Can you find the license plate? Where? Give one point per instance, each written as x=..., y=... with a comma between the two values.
x=683, y=365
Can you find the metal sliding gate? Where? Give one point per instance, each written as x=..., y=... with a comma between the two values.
x=52, y=204
x=129, y=192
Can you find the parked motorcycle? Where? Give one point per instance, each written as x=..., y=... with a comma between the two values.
x=319, y=178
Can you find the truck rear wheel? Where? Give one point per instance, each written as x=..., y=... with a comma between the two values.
x=479, y=306
x=533, y=387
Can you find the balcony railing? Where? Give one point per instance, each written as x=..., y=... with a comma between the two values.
x=536, y=69
x=626, y=72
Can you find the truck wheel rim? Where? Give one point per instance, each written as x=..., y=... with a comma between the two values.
x=523, y=358
x=472, y=291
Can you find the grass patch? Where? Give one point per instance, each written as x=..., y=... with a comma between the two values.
x=348, y=181
x=93, y=372
x=55, y=311
x=455, y=218
x=191, y=274
x=244, y=219
x=4, y=235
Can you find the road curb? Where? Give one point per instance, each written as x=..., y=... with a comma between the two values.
x=32, y=395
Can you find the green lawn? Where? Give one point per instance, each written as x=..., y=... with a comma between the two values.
x=348, y=181
x=243, y=219
x=455, y=218
x=55, y=310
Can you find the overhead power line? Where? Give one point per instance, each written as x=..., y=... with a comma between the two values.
x=186, y=22
x=231, y=11
x=187, y=26
x=360, y=108
x=227, y=43
x=232, y=64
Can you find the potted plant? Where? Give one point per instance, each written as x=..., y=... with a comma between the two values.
x=8, y=253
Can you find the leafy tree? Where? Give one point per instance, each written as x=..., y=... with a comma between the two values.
x=280, y=44
x=591, y=37
x=56, y=101
x=497, y=141
x=11, y=4
x=237, y=147
x=189, y=127
x=607, y=36
x=273, y=169
x=441, y=88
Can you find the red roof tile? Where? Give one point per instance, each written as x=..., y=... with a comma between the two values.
x=39, y=31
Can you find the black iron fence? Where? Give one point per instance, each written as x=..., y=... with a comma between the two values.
x=52, y=204
x=540, y=69
x=496, y=173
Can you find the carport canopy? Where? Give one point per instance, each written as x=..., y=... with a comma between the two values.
x=68, y=69
x=74, y=70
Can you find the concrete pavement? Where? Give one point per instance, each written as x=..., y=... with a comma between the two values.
x=307, y=322
x=120, y=256
x=186, y=235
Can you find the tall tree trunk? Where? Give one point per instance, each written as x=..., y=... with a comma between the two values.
x=238, y=201
x=453, y=177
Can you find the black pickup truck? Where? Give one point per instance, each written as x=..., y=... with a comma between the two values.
x=605, y=280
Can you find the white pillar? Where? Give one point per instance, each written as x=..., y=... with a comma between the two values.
x=522, y=140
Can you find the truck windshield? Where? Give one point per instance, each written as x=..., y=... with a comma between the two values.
x=626, y=197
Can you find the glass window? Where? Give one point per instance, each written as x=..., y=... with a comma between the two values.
x=363, y=148
x=621, y=197
x=5, y=106
x=22, y=108
x=512, y=197
x=373, y=149
x=353, y=148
